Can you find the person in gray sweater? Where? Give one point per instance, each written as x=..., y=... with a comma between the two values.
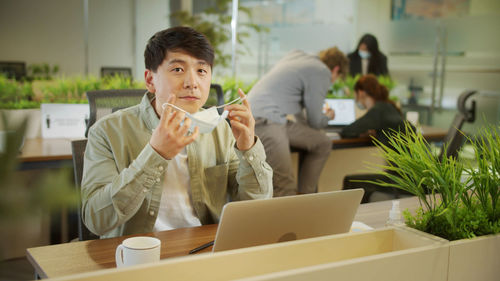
x=288, y=106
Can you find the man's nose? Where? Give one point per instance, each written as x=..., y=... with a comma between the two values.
x=190, y=80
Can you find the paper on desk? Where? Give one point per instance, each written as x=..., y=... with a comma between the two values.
x=358, y=226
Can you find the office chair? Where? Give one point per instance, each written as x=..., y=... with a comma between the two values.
x=104, y=102
x=13, y=69
x=78, y=150
x=112, y=71
x=453, y=140
x=215, y=97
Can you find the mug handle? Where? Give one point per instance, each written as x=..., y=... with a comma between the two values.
x=119, y=256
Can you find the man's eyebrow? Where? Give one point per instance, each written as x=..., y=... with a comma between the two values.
x=176, y=61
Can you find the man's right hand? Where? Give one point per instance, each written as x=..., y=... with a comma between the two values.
x=329, y=112
x=170, y=137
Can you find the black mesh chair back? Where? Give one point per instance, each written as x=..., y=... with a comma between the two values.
x=454, y=139
x=104, y=102
x=215, y=97
x=78, y=150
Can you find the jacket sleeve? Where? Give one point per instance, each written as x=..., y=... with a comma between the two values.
x=111, y=192
x=371, y=120
x=250, y=177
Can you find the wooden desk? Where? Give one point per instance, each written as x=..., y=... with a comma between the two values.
x=77, y=257
x=44, y=150
x=431, y=134
x=42, y=153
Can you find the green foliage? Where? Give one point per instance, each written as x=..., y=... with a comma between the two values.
x=386, y=81
x=214, y=22
x=14, y=94
x=343, y=88
x=69, y=90
x=19, y=199
x=230, y=86
x=42, y=71
x=457, y=201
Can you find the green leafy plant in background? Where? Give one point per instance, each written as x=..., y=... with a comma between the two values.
x=230, y=86
x=457, y=200
x=16, y=95
x=42, y=71
x=21, y=199
x=69, y=90
x=214, y=23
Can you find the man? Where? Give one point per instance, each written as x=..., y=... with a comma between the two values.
x=298, y=82
x=146, y=170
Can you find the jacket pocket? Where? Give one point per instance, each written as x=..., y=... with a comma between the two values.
x=216, y=185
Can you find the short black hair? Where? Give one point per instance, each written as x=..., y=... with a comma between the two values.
x=179, y=38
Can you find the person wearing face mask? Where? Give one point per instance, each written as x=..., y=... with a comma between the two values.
x=367, y=58
x=166, y=163
x=382, y=115
x=288, y=105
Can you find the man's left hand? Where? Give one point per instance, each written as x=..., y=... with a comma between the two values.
x=242, y=123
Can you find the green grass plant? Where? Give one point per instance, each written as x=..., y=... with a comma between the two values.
x=457, y=200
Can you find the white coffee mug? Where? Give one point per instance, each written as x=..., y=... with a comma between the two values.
x=138, y=250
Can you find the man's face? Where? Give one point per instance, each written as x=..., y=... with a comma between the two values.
x=181, y=75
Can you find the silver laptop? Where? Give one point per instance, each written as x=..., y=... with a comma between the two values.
x=257, y=222
x=345, y=112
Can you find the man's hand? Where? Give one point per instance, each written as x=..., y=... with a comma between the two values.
x=242, y=123
x=329, y=112
x=170, y=137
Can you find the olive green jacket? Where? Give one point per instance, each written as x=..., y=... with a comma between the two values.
x=123, y=175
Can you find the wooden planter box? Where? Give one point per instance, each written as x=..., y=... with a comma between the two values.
x=384, y=254
x=475, y=259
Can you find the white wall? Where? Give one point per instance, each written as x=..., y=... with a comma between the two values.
x=477, y=68
x=47, y=31
x=52, y=31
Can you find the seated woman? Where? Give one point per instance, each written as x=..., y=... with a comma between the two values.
x=383, y=114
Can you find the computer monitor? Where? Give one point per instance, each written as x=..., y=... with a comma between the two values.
x=345, y=113
x=13, y=70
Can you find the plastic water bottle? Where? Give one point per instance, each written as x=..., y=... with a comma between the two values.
x=395, y=217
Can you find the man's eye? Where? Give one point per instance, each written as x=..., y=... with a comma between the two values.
x=177, y=69
x=203, y=71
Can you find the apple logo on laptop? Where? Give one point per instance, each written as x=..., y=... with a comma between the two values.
x=290, y=236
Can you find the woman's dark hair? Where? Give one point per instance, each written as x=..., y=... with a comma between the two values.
x=370, y=85
x=376, y=57
x=180, y=38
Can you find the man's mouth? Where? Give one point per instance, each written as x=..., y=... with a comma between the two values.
x=189, y=98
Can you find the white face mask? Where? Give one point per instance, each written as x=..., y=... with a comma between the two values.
x=364, y=54
x=360, y=105
x=207, y=119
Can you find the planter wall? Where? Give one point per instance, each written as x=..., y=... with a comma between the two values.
x=475, y=259
x=384, y=254
x=34, y=129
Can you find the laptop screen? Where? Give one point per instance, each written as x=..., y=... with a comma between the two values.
x=344, y=111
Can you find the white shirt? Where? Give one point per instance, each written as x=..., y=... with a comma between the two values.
x=364, y=66
x=176, y=207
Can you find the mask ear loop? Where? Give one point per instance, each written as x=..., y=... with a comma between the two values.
x=174, y=106
x=233, y=101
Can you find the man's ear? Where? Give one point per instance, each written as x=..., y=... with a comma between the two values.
x=148, y=77
x=335, y=73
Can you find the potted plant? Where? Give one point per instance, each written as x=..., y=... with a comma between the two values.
x=26, y=202
x=459, y=200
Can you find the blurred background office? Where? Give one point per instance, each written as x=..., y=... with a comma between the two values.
x=435, y=50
